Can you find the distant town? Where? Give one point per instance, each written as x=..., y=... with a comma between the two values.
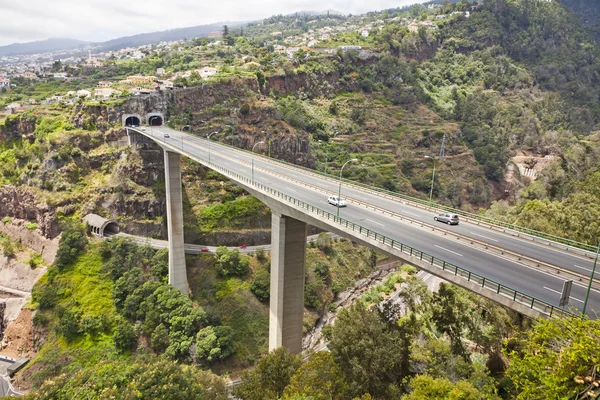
x=62, y=64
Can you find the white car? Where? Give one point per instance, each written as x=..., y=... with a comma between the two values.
x=336, y=201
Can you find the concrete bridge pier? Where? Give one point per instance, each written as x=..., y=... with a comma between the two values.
x=134, y=137
x=177, y=270
x=288, y=253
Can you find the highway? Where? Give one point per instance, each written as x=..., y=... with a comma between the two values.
x=542, y=283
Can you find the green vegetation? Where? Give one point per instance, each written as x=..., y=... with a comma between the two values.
x=148, y=378
x=382, y=352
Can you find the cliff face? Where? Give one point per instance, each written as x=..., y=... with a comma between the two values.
x=15, y=126
x=18, y=202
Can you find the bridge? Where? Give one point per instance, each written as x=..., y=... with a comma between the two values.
x=518, y=270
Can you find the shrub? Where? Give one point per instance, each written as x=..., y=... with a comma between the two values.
x=230, y=262
x=7, y=246
x=68, y=325
x=91, y=324
x=72, y=242
x=261, y=285
x=47, y=298
x=260, y=255
x=245, y=109
x=6, y=220
x=124, y=337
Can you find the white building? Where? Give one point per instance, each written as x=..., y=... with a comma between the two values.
x=84, y=93
x=61, y=75
x=207, y=71
x=105, y=93
x=4, y=83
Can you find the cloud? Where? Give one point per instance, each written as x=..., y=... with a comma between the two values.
x=100, y=20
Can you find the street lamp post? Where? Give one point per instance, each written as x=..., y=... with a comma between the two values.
x=209, y=146
x=326, y=155
x=255, y=144
x=587, y=295
x=432, y=178
x=340, y=186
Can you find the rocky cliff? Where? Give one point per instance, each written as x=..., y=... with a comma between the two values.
x=15, y=126
x=19, y=202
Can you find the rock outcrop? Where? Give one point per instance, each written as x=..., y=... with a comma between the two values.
x=18, y=202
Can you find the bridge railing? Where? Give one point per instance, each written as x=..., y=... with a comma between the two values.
x=529, y=301
x=437, y=206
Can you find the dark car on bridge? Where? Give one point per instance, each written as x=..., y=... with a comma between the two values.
x=450, y=219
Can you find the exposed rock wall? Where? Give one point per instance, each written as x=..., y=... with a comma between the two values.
x=313, y=340
x=17, y=231
x=18, y=202
x=13, y=127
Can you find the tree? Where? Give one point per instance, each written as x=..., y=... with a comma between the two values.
x=230, y=262
x=214, y=343
x=371, y=351
x=72, y=242
x=68, y=324
x=319, y=378
x=124, y=337
x=427, y=387
x=557, y=359
x=261, y=284
x=270, y=376
x=144, y=378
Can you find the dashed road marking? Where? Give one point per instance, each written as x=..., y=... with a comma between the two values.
x=375, y=222
x=556, y=291
x=485, y=237
x=443, y=248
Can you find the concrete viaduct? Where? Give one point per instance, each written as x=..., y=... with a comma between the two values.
x=290, y=217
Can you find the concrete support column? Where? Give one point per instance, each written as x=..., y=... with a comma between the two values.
x=134, y=137
x=177, y=270
x=288, y=252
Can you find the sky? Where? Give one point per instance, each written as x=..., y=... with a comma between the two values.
x=101, y=20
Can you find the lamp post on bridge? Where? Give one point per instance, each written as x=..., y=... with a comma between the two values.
x=209, y=145
x=340, y=186
x=589, y=289
x=255, y=144
x=432, y=178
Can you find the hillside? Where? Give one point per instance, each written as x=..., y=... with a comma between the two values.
x=42, y=46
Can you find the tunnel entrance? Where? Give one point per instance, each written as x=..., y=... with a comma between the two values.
x=111, y=229
x=132, y=121
x=155, y=120
x=100, y=226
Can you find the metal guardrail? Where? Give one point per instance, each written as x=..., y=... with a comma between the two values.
x=426, y=203
x=500, y=289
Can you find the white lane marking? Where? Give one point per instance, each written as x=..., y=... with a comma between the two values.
x=290, y=189
x=485, y=237
x=443, y=248
x=556, y=291
x=585, y=269
x=375, y=222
